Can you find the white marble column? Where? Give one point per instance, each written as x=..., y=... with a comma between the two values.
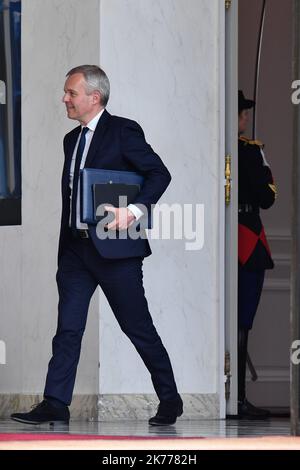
x=163, y=60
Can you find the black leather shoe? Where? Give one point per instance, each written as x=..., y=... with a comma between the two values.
x=167, y=413
x=44, y=412
x=248, y=411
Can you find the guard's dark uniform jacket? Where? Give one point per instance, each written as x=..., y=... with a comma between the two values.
x=256, y=190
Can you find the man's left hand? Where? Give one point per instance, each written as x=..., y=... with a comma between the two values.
x=123, y=218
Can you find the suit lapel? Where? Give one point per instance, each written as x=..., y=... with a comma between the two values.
x=72, y=142
x=69, y=149
x=97, y=137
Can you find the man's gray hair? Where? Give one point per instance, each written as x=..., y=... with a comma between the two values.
x=96, y=80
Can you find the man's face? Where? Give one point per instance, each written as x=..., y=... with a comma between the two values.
x=79, y=104
x=243, y=120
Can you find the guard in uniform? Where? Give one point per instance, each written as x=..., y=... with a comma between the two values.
x=256, y=191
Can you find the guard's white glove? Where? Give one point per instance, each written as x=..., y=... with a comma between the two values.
x=265, y=163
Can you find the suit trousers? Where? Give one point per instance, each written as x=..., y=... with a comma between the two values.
x=81, y=269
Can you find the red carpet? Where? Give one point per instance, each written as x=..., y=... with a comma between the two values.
x=74, y=437
x=91, y=442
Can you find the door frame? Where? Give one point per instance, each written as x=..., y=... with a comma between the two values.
x=231, y=209
x=295, y=267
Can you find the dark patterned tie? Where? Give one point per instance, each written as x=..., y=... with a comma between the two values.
x=78, y=159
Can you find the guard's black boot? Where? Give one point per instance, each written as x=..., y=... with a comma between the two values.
x=242, y=359
x=245, y=409
x=248, y=411
x=44, y=412
x=167, y=413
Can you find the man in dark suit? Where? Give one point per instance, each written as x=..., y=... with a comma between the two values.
x=107, y=142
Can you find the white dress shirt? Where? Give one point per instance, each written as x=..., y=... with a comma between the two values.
x=88, y=138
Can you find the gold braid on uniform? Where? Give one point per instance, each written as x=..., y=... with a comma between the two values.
x=251, y=142
x=274, y=189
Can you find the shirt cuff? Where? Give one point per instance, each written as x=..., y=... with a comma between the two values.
x=136, y=211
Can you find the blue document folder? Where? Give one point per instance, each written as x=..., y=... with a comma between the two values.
x=91, y=177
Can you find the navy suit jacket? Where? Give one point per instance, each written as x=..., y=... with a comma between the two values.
x=117, y=144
